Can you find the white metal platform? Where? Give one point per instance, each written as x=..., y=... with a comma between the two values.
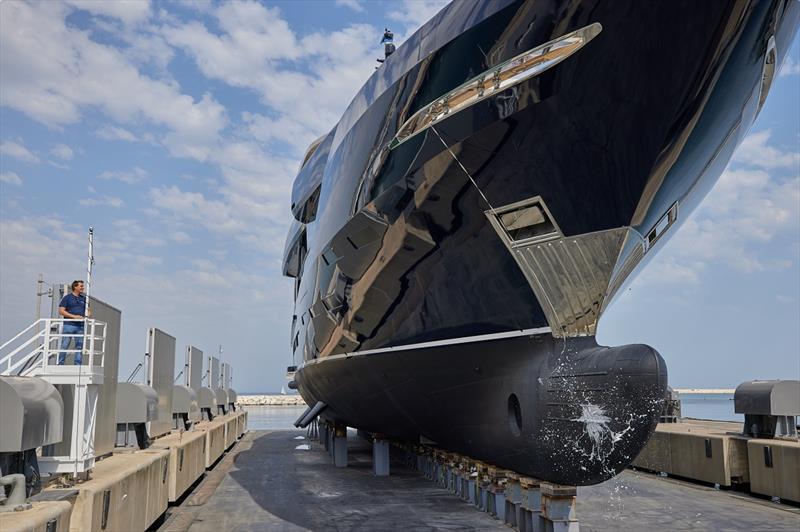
x=33, y=353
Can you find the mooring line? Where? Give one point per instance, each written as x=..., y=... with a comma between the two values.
x=491, y=208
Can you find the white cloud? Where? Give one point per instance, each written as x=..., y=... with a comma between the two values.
x=214, y=215
x=127, y=11
x=755, y=202
x=309, y=79
x=415, y=13
x=17, y=150
x=10, y=178
x=147, y=47
x=669, y=270
x=249, y=46
x=755, y=151
x=62, y=151
x=24, y=243
x=53, y=73
x=130, y=233
x=256, y=224
x=355, y=5
x=136, y=175
x=251, y=206
x=790, y=67
x=181, y=237
x=746, y=210
x=115, y=133
x=102, y=201
x=283, y=129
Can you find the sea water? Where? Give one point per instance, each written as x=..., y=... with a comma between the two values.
x=272, y=417
x=716, y=406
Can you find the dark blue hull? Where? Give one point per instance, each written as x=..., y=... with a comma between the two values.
x=606, y=152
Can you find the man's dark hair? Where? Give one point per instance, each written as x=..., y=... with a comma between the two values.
x=75, y=284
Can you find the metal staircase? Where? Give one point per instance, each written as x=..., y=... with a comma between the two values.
x=34, y=353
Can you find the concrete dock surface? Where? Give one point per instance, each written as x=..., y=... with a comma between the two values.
x=274, y=480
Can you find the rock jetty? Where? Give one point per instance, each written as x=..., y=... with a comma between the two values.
x=270, y=400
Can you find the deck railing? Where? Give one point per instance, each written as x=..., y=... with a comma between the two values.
x=38, y=346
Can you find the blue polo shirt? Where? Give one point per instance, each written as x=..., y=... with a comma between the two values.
x=74, y=305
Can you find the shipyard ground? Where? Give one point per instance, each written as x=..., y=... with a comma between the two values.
x=271, y=481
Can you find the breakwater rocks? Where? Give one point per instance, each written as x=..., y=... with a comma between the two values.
x=270, y=400
x=690, y=391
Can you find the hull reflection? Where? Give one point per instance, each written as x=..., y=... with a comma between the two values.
x=461, y=230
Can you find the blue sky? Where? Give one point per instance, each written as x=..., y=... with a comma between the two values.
x=175, y=129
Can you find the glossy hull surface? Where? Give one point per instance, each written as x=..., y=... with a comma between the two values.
x=605, y=152
x=566, y=411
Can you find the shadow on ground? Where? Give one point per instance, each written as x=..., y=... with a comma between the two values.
x=275, y=486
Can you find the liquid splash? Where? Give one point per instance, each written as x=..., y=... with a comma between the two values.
x=596, y=425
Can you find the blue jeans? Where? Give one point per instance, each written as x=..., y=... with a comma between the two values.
x=71, y=328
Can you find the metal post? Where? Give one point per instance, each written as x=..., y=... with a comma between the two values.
x=186, y=372
x=147, y=360
x=340, y=445
x=39, y=282
x=558, y=507
x=46, y=353
x=380, y=457
x=89, y=264
x=219, y=377
x=513, y=496
x=91, y=343
x=531, y=507
x=323, y=434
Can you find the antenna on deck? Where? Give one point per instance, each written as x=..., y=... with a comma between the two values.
x=89, y=266
x=388, y=44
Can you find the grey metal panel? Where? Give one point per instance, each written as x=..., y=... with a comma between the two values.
x=222, y=397
x=31, y=413
x=136, y=403
x=213, y=373
x=571, y=276
x=106, y=425
x=206, y=398
x=226, y=375
x=106, y=429
x=216, y=381
x=194, y=368
x=768, y=398
x=160, y=376
x=184, y=400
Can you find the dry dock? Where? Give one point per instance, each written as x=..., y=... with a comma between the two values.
x=273, y=482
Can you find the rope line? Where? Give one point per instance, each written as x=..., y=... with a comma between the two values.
x=491, y=208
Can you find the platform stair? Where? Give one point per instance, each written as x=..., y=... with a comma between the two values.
x=34, y=353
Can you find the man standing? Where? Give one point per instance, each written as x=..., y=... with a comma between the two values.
x=72, y=307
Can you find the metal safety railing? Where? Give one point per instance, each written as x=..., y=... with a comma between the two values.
x=39, y=345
